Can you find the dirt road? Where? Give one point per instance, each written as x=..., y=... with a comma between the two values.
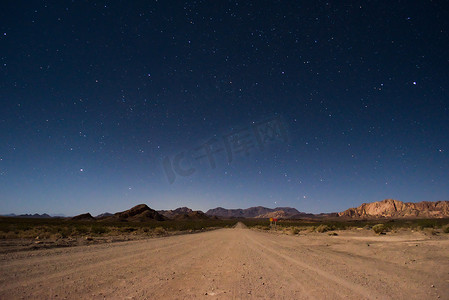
x=235, y=263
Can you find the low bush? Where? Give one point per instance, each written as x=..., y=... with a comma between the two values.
x=379, y=228
x=159, y=230
x=294, y=230
x=446, y=229
x=99, y=230
x=323, y=228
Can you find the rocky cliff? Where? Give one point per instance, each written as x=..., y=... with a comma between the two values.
x=390, y=208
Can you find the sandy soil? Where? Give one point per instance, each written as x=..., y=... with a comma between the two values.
x=236, y=263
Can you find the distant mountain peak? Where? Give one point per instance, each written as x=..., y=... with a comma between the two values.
x=138, y=213
x=183, y=213
x=83, y=217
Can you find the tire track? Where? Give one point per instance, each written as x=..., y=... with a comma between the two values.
x=356, y=289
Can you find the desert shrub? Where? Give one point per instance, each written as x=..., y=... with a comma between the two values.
x=446, y=229
x=294, y=230
x=65, y=231
x=29, y=234
x=8, y=235
x=427, y=223
x=99, y=229
x=159, y=230
x=262, y=227
x=323, y=228
x=379, y=228
x=82, y=229
x=128, y=229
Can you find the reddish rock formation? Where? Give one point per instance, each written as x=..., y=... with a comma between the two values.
x=390, y=208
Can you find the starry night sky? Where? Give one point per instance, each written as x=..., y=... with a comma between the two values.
x=96, y=94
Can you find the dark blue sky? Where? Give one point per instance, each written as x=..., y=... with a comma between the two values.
x=96, y=94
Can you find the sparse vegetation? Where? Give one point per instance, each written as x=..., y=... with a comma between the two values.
x=261, y=227
x=57, y=228
x=446, y=229
x=323, y=228
x=159, y=231
x=294, y=230
x=379, y=228
x=389, y=225
x=22, y=228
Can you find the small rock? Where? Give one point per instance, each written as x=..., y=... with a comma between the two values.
x=432, y=286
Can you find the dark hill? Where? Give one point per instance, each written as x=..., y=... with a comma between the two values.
x=83, y=217
x=139, y=213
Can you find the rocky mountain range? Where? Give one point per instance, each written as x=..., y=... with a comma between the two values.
x=252, y=212
x=390, y=208
x=143, y=213
x=281, y=214
x=34, y=216
x=183, y=213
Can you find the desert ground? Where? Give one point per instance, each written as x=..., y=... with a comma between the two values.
x=236, y=263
